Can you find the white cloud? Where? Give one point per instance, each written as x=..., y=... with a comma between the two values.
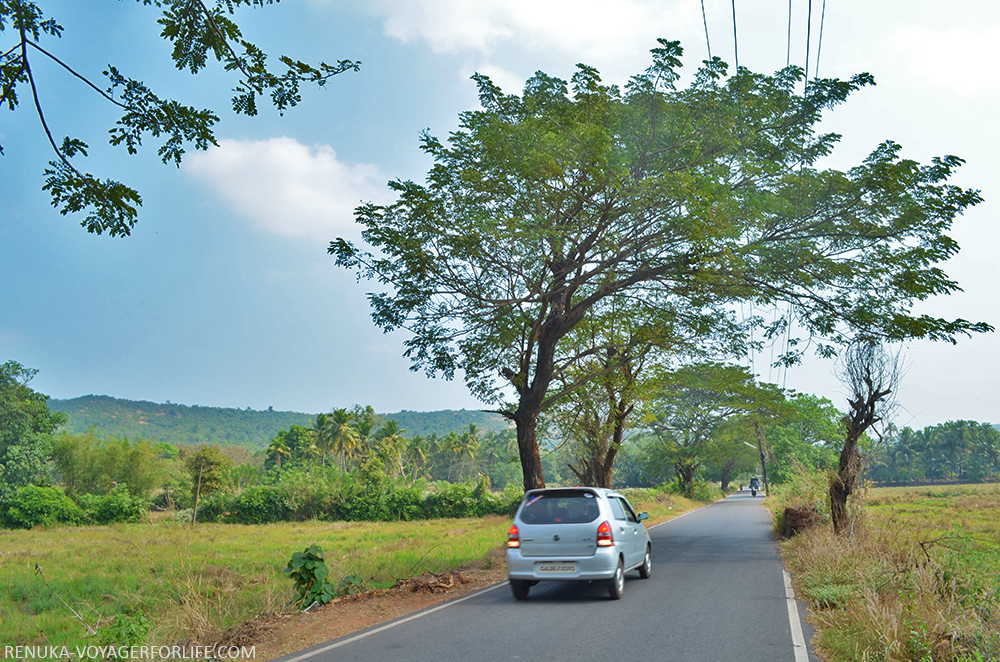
x=289, y=188
x=959, y=60
x=598, y=31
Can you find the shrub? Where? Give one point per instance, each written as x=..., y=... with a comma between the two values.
x=309, y=572
x=40, y=506
x=261, y=504
x=128, y=629
x=404, y=504
x=115, y=506
x=213, y=507
x=451, y=501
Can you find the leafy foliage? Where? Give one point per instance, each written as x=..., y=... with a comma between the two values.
x=309, y=572
x=26, y=424
x=118, y=505
x=546, y=209
x=206, y=467
x=197, y=30
x=35, y=506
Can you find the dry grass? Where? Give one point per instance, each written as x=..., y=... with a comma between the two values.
x=915, y=579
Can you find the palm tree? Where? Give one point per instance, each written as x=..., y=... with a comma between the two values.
x=469, y=445
x=343, y=438
x=321, y=436
x=278, y=448
x=391, y=444
x=417, y=449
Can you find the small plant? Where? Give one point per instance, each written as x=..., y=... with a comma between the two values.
x=350, y=585
x=309, y=572
x=126, y=630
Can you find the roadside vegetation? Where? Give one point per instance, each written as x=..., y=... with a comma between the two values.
x=913, y=579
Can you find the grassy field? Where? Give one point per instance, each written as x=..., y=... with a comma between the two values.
x=916, y=579
x=59, y=585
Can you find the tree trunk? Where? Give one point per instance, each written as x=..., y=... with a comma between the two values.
x=842, y=486
x=527, y=447
x=685, y=476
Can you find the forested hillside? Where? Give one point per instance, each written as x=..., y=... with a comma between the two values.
x=189, y=425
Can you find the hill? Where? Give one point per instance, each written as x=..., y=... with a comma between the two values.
x=189, y=425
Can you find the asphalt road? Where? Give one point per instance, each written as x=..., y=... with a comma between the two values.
x=717, y=594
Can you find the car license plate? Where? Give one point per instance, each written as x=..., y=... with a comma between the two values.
x=549, y=568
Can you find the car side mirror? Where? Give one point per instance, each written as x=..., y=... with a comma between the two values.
x=643, y=516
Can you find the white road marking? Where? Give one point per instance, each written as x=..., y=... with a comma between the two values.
x=388, y=626
x=798, y=638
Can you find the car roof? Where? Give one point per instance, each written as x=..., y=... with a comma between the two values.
x=574, y=488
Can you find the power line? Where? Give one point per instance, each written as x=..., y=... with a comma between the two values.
x=736, y=44
x=808, y=37
x=819, y=48
x=788, y=52
x=705, y=21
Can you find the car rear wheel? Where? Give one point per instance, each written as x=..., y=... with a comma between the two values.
x=646, y=569
x=616, y=587
x=520, y=588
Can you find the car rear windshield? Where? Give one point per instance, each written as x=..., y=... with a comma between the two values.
x=562, y=507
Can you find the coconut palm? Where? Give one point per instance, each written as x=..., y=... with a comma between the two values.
x=276, y=449
x=343, y=438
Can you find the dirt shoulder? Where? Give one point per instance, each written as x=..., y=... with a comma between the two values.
x=275, y=635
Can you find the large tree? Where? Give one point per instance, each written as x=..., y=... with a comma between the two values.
x=543, y=208
x=26, y=426
x=198, y=31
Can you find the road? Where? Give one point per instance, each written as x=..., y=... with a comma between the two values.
x=717, y=593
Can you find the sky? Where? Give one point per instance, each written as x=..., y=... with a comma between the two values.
x=224, y=295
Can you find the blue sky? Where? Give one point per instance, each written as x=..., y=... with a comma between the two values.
x=224, y=294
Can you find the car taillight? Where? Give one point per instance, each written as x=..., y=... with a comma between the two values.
x=513, y=539
x=604, y=537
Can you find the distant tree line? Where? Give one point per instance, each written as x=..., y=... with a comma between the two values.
x=961, y=451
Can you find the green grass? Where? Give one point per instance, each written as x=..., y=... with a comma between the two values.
x=916, y=578
x=194, y=583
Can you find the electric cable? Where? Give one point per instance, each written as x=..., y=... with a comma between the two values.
x=819, y=48
x=704, y=20
x=808, y=36
x=788, y=51
x=736, y=44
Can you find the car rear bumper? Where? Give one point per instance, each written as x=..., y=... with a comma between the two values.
x=599, y=566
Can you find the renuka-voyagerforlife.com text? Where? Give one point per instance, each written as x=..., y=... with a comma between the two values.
x=131, y=652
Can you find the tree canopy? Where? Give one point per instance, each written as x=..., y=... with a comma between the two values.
x=544, y=209
x=198, y=31
x=26, y=425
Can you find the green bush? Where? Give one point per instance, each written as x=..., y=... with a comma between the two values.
x=261, y=504
x=213, y=507
x=115, y=506
x=310, y=495
x=449, y=501
x=404, y=504
x=40, y=506
x=367, y=504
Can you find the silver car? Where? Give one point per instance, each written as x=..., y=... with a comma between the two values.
x=576, y=534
